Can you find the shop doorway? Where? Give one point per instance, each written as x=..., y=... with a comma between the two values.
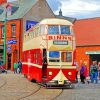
x=95, y=57
x=9, y=61
x=1, y=55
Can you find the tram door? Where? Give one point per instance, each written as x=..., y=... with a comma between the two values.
x=44, y=64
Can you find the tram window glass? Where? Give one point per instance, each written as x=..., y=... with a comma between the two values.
x=24, y=57
x=53, y=29
x=42, y=30
x=65, y=29
x=54, y=54
x=66, y=56
x=34, y=57
x=34, y=32
x=38, y=57
x=39, y=31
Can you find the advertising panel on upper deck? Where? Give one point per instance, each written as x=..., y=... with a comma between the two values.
x=59, y=42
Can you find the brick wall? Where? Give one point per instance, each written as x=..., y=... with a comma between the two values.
x=81, y=55
x=18, y=38
x=2, y=1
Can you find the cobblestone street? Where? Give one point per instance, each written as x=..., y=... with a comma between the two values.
x=16, y=87
x=81, y=92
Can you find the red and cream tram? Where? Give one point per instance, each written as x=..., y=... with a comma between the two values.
x=48, y=53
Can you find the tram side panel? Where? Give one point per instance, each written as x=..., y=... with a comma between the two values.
x=32, y=65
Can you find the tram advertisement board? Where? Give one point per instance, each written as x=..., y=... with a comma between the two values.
x=59, y=42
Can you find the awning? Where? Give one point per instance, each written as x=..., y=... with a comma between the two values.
x=92, y=52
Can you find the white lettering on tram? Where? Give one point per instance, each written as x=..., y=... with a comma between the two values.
x=59, y=37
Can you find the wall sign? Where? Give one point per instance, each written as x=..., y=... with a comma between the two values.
x=29, y=24
x=12, y=41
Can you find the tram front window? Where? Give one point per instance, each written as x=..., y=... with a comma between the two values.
x=53, y=29
x=54, y=56
x=65, y=29
x=66, y=56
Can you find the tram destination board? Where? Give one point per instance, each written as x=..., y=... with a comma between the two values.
x=60, y=42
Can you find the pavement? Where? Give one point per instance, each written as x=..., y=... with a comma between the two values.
x=85, y=91
x=16, y=87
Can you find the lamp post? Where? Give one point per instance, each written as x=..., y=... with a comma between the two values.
x=7, y=11
x=4, y=53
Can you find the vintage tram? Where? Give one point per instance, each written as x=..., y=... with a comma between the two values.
x=48, y=53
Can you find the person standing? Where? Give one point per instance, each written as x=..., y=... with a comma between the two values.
x=99, y=70
x=15, y=67
x=77, y=69
x=94, y=72
x=84, y=73
x=82, y=76
x=20, y=66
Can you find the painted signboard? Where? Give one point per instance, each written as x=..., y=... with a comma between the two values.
x=12, y=41
x=29, y=24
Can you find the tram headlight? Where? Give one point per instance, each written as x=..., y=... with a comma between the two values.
x=69, y=73
x=50, y=73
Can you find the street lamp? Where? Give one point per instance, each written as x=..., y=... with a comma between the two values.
x=7, y=12
x=4, y=53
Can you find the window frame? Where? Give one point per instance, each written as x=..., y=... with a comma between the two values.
x=54, y=59
x=13, y=30
x=66, y=57
x=67, y=33
x=54, y=33
x=2, y=31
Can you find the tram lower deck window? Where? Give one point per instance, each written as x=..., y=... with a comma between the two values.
x=66, y=56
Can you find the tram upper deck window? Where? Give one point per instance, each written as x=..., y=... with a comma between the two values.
x=65, y=29
x=53, y=29
x=66, y=56
x=54, y=56
x=42, y=29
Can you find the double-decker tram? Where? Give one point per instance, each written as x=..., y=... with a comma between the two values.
x=48, y=53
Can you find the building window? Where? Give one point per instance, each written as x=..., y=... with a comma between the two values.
x=13, y=28
x=2, y=31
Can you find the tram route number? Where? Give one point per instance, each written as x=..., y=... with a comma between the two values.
x=60, y=42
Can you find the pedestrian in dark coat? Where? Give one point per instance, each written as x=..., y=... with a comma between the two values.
x=20, y=66
x=83, y=73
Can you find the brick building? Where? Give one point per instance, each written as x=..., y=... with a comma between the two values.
x=23, y=13
x=87, y=32
x=2, y=1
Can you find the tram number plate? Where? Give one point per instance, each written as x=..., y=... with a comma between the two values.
x=60, y=42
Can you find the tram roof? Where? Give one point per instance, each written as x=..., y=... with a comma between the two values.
x=55, y=21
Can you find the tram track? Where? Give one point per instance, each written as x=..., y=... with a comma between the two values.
x=35, y=92
x=5, y=82
x=57, y=95
x=32, y=93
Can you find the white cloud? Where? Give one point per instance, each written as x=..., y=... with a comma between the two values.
x=76, y=8
x=11, y=0
x=79, y=7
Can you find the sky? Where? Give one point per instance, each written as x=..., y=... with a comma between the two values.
x=79, y=9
